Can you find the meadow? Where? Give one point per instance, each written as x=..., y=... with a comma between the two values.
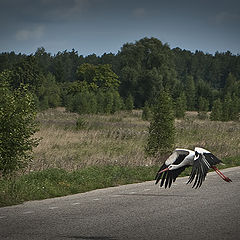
x=78, y=153
x=72, y=142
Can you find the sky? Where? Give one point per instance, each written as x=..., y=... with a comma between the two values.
x=103, y=26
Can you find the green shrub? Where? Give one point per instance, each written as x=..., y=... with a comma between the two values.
x=81, y=123
x=17, y=126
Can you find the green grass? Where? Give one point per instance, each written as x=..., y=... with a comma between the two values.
x=82, y=153
x=58, y=182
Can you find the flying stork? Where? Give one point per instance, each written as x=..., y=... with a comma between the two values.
x=201, y=161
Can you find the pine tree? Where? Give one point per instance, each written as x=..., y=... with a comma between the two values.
x=227, y=102
x=162, y=129
x=129, y=103
x=190, y=92
x=234, y=108
x=216, y=113
x=203, y=108
x=146, y=113
x=180, y=106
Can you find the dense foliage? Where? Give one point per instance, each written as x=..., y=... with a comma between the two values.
x=17, y=126
x=135, y=75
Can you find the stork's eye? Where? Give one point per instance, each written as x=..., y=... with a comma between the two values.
x=196, y=154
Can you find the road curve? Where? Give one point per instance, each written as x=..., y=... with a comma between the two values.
x=135, y=211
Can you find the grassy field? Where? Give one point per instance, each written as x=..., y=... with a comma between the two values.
x=120, y=139
x=81, y=153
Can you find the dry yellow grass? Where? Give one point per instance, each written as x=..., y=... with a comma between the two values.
x=120, y=139
x=112, y=139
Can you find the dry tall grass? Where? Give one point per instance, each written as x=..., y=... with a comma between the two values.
x=120, y=139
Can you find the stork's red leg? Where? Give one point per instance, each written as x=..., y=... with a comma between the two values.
x=221, y=174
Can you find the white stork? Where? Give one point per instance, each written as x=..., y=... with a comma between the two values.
x=201, y=161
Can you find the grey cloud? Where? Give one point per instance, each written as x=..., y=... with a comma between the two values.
x=35, y=33
x=227, y=17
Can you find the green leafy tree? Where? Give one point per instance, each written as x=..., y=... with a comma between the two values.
x=117, y=102
x=99, y=76
x=146, y=68
x=162, y=130
x=83, y=103
x=27, y=72
x=48, y=93
x=17, y=126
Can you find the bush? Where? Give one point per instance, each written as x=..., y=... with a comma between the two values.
x=81, y=123
x=17, y=126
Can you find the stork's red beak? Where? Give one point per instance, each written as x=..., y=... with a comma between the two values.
x=164, y=170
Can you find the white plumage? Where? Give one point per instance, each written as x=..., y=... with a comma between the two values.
x=201, y=161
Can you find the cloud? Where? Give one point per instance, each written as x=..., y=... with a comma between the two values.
x=139, y=12
x=66, y=10
x=226, y=17
x=30, y=34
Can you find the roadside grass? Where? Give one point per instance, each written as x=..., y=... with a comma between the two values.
x=82, y=153
x=55, y=182
x=59, y=182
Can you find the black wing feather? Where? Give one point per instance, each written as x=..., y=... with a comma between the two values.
x=158, y=176
x=200, y=168
x=212, y=160
x=163, y=178
x=168, y=177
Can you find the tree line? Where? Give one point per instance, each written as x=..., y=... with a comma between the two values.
x=131, y=78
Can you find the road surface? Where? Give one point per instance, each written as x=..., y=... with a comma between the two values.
x=136, y=211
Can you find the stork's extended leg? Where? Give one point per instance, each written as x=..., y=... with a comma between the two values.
x=220, y=174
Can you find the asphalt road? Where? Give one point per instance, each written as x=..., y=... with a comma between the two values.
x=136, y=211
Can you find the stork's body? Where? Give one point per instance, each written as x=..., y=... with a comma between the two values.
x=201, y=161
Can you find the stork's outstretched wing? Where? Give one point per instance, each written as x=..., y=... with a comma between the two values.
x=170, y=176
x=202, y=162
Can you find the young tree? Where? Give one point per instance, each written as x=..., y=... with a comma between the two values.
x=146, y=113
x=17, y=126
x=203, y=108
x=180, y=106
x=216, y=113
x=162, y=129
x=129, y=103
x=226, y=108
x=190, y=92
x=234, y=108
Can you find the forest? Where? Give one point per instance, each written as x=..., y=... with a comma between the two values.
x=132, y=78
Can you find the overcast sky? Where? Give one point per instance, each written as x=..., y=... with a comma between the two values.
x=99, y=26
